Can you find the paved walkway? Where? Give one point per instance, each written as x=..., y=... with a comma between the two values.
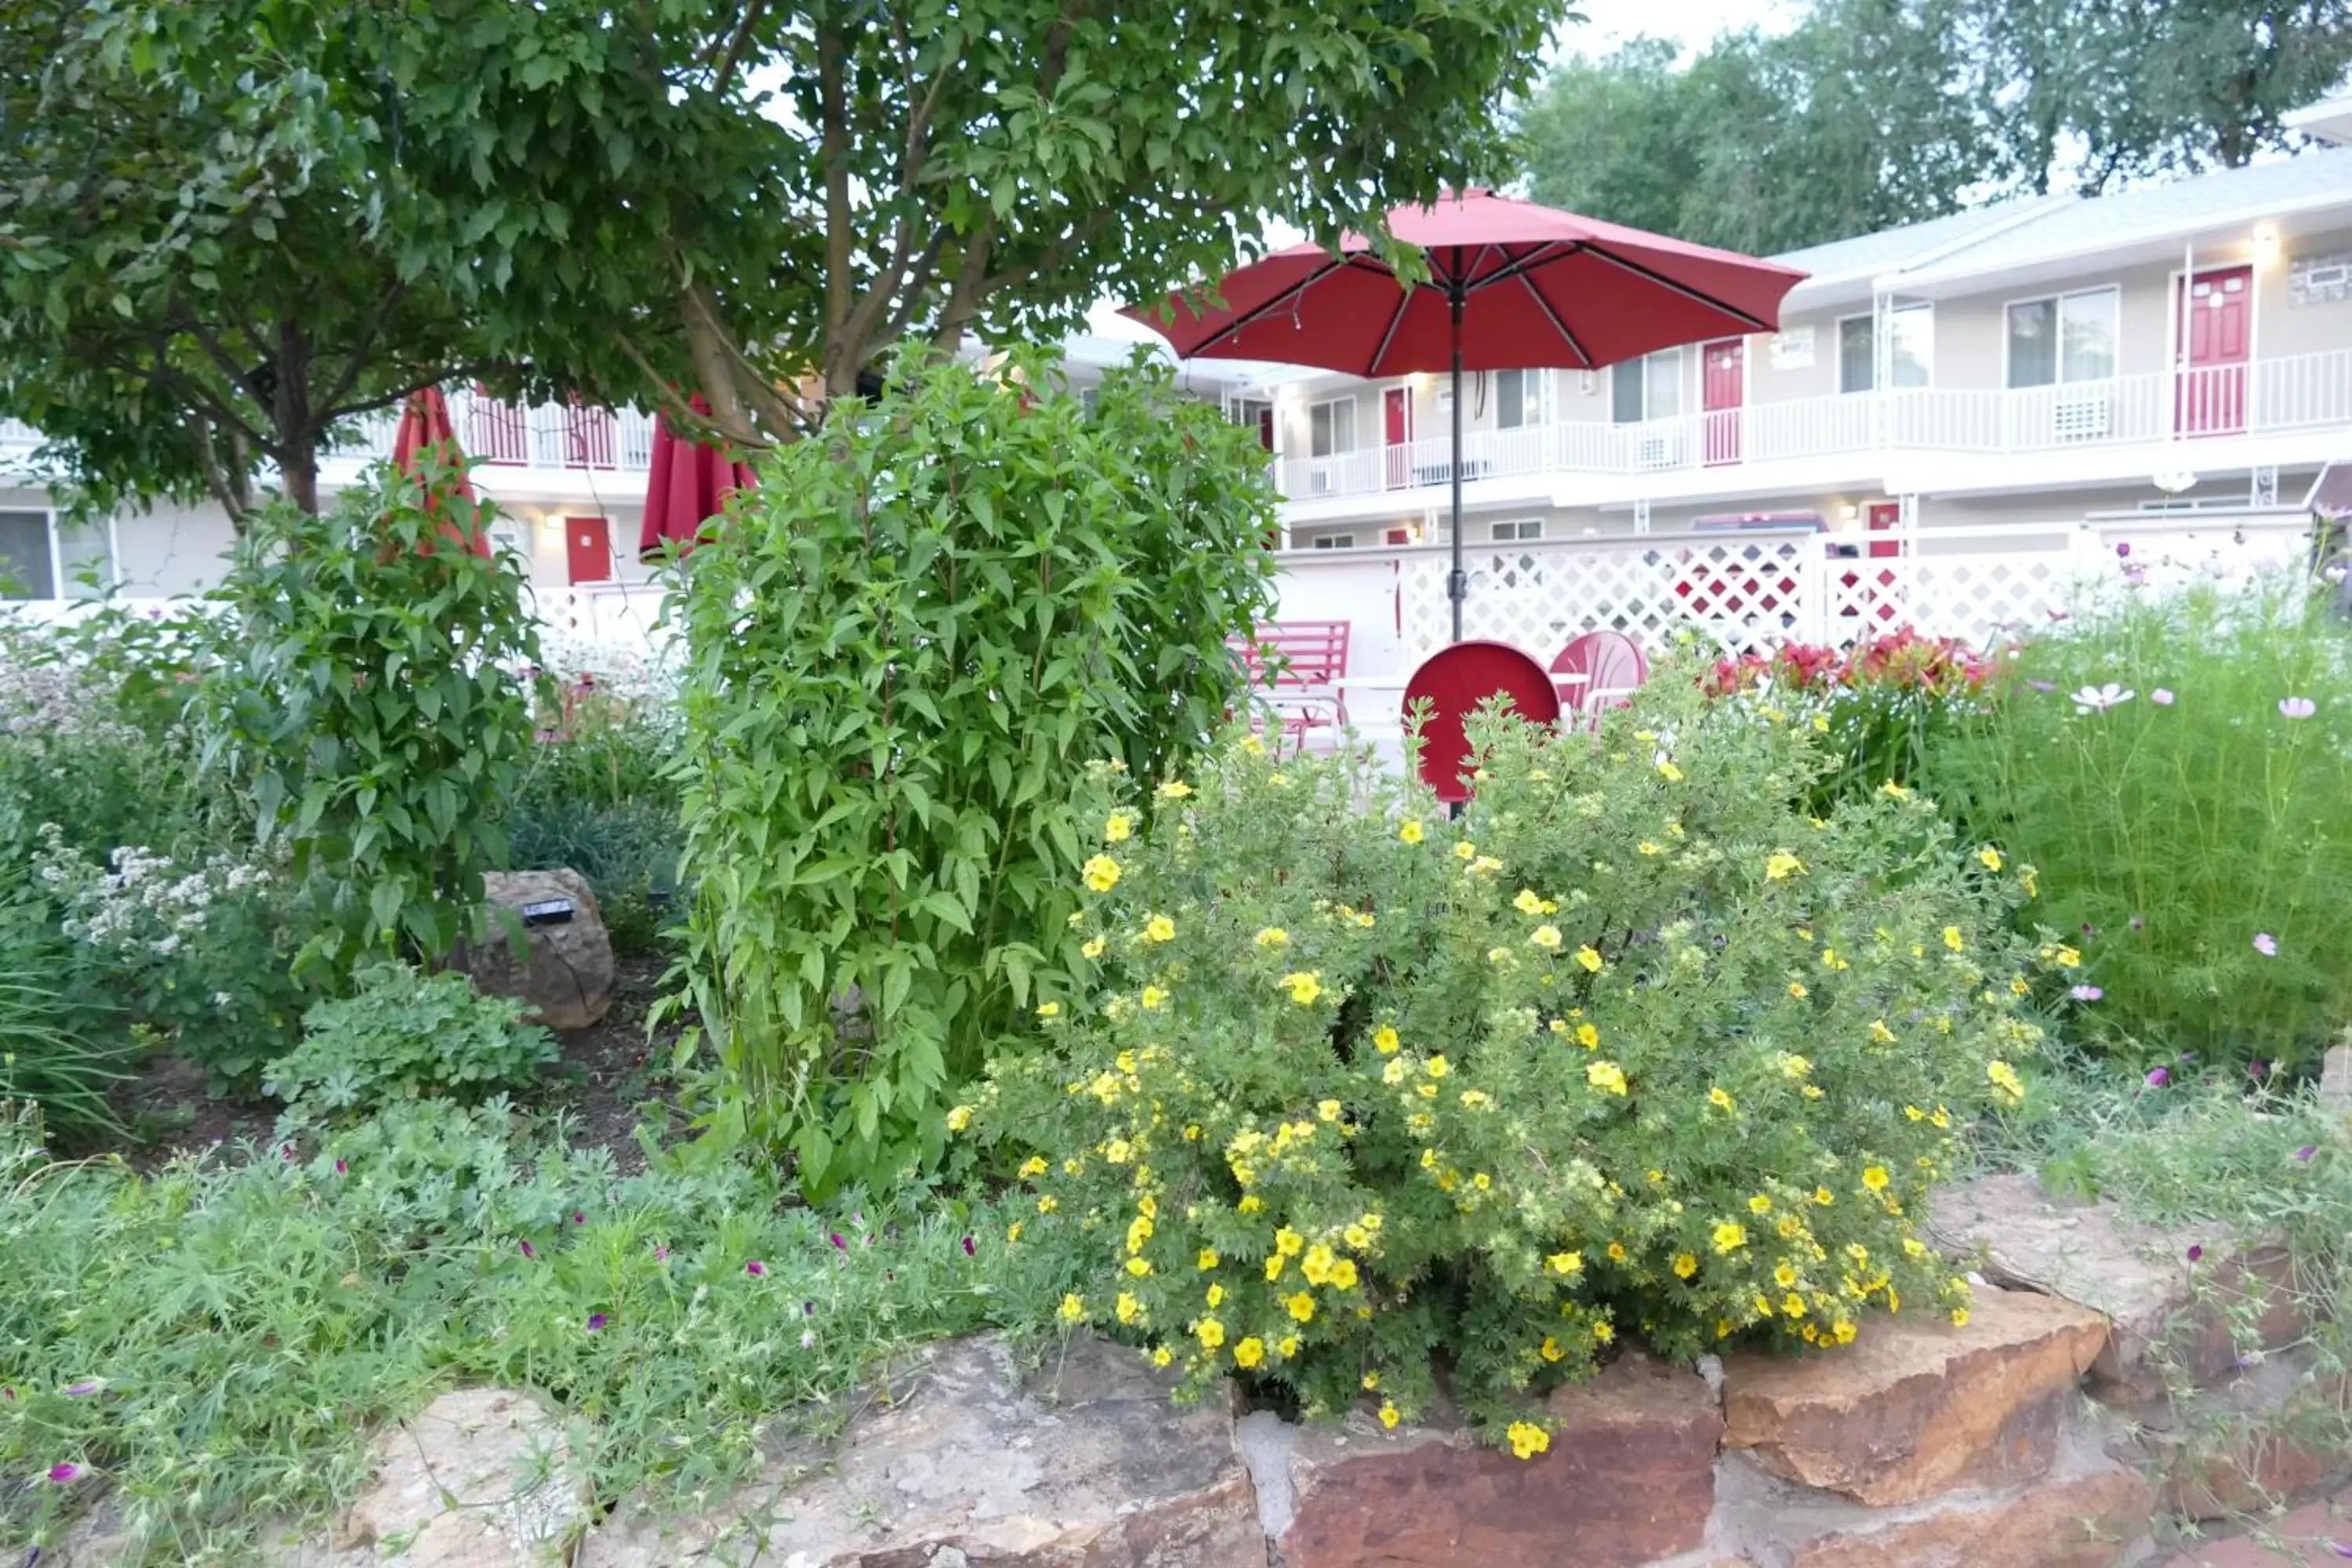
x=2314, y=1535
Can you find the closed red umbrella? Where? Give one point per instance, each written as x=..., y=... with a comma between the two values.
x=427, y=435
x=689, y=485
x=1510, y=286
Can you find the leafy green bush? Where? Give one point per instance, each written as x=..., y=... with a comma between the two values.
x=600, y=799
x=405, y=1036
x=373, y=709
x=45, y=1061
x=1632, y=1047
x=901, y=648
x=218, y=1340
x=2178, y=768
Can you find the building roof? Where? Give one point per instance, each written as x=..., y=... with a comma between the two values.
x=2024, y=232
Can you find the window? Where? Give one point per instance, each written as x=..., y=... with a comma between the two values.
x=1910, y=349
x=1253, y=414
x=1524, y=528
x=2067, y=337
x=1333, y=427
x=1335, y=542
x=1519, y=398
x=1649, y=387
x=28, y=568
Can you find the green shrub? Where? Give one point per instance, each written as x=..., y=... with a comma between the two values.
x=2188, y=818
x=1632, y=1047
x=373, y=709
x=405, y=1036
x=600, y=798
x=901, y=648
x=219, y=1342
x=46, y=1061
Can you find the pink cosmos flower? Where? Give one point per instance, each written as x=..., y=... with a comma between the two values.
x=2306, y=1151
x=66, y=1474
x=2196, y=1254
x=343, y=1169
x=2297, y=707
x=87, y=1386
x=969, y=1249
x=596, y=1322
x=755, y=1268
x=2266, y=945
x=661, y=1252
x=2158, y=1077
x=839, y=1244
x=2161, y=697
x=2086, y=994
x=527, y=1250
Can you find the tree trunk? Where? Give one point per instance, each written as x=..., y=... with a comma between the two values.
x=298, y=468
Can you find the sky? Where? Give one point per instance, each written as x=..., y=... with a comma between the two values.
x=1691, y=22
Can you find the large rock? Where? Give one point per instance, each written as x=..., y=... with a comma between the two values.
x=1630, y=1477
x=2096, y=1519
x=482, y=1479
x=2272, y=1433
x=566, y=973
x=969, y=1465
x=2162, y=1307
x=1917, y=1406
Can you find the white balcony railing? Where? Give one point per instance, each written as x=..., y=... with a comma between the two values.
x=534, y=436
x=2302, y=391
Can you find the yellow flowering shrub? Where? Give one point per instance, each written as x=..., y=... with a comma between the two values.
x=1616, y=1054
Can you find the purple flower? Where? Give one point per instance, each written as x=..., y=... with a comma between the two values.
x=661, y=1252
x=2161, y=697
x=285, y=1151
x=2340, y=1549
x=88, y=1385
x=2124, y=548
x=837, y=1242
x=343, y=1169
x=2041, y=685
x=527, y=1250
x=2266, y=945
x=2158, y=1077
x=808, y=1309
x=756, y=1268
x=2297, y=707
x=969, y=1249
x=2256, y=1069
x=2196, y=1253
x=2086, y=994
x=2306, y=1151
x=66, y=1474
x=579, y=1219
x=596, y=1322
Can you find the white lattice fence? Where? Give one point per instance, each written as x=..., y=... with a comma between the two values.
x=1975, y=596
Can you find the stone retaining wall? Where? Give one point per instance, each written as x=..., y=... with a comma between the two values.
x=2037, y=1435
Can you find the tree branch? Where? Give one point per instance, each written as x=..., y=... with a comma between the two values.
x=736, y=44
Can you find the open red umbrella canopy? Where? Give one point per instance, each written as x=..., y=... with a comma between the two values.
x=1536, y=286
x=1510, y=286
x=689, y=486
x=427, y=435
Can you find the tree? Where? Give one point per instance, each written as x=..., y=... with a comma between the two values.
x=1607, y=137
x=929, y=167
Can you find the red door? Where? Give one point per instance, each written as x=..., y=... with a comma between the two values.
x=2218, y=323
x=1396, y=407
x=588, y=547
x=1723, y=386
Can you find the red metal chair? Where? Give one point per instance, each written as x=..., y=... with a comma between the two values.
x=1454, y=681
x=1601, y=669
x=1299, y=663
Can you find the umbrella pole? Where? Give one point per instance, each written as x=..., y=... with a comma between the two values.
x=1457, y=582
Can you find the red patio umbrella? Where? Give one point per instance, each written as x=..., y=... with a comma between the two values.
x=689, y=486
x=425, y=429
x=1511, y=285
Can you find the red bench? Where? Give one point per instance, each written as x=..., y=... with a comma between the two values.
x=1296, y=664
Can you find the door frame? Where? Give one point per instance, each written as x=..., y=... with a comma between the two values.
x=570, y=556
x=2174, y=348
x=1738, y=443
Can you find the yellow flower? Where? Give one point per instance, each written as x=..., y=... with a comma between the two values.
x=2008, y=1086
x=1606, y=1076
x=1410, y=832
x=1647, y=847
x=1286, y=1346
x=1527, y=1439
x=1328, y=1110
x=1547, y=937
x=1117, y=827
x=1159, y=928
x=1074, y=1307
x=1305, y=986
x=1529, y=902
x=1013, y=1231
x=1393, y=1072
x=2032, y=886
x=1586, y=1036
x=1343, y=1274
x=1465, y=850
x=1792, y=1067
x=1049, y=1009
x=1288, y=1242
x=1880, y=1033
x=1137, y=1233
x=1174, y=789
x=1589, y=959
x=1894, y=791
x=1685, y=1265
x=1300, y=1305
x=1216, y=1295
x=1960, y=1317
x=1566, y=1262
x=1094, y=946
x=1793, y=1305
x=1551, y=1351
x=1316, y=1264
x=959, y=1119
x=1271, y=936
x=1389, y=1417
x=1153, y=999
x=1356, y=1236
x=1482, y=1181
x=1138, y=1267
x=1101, y=873
x=1829, y=960
x=1759, y=1204
x=1604, y=1330
x=1952, y=938
x=1250, y=1203
x=1668, y=772
x=1162, y=1355
x=1990, y=858
x=1384, y=1039
x=1210, y=1332
x=1486, y=866
x=1253, y=746
x=1781, y=865
x=1823, y=1196
x=1875, y=1178
x=2067, y=957
x=1729, y=1237
x=1785, y=1275
x=1438, y=1066
x=1129, y=1309
x=1273, y=1267
x=1797, y=989
x=1048, y=1204
x=1720, y=1099
x=1250, y=1351
x=1034, y=1166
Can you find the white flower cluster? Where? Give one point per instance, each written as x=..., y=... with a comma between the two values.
x=644, y=678
x=47, y=698
x=147, y=905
